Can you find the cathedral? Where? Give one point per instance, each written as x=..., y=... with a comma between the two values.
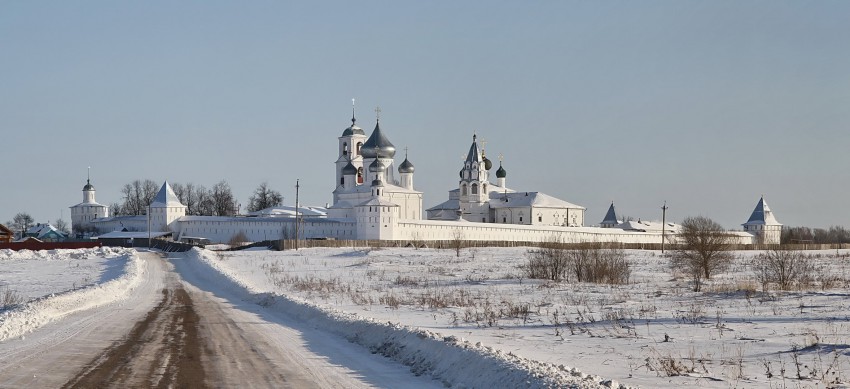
x=375, y=200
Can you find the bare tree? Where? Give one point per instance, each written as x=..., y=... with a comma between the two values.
x=137, y=196
x=115, y=209
x=62, y=226
x=263, y=198
x=704, y=249
x=192, y=196
x=458, y=238
x=21, y=223
x=223, y=201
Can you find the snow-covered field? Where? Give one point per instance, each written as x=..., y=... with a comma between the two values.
x=477, y=320
x=37, y=287
x=33, y=274
x=652, y=332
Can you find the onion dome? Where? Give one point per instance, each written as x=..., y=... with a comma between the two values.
x=487, y=164
x=377, y=146
x=375, y=166
x=405, y=167
x=88, y=186
x=501, y=173
x=349, y=169
x=353, y=129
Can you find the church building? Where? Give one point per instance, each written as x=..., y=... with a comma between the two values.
x=476, y=199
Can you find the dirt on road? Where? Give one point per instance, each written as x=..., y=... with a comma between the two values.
x=162, y=351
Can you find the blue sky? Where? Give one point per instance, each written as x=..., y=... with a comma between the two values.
x=706, y=105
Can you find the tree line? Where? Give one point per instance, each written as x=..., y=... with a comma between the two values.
x=199, y=200
x=834, y=234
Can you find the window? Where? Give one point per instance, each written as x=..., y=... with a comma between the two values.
x=342, y=180
x=344, y=148
x=359, y=171
x=463, y=190
x=540, y=218
x=474, y=189
x=358, y=147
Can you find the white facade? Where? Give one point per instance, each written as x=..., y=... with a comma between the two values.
x=83, y=214
x=763, y=224
x=478, y=200
x=370, y=204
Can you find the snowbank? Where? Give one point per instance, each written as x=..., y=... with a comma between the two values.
x=451, y=360
x=61, y=255
x=31, y=315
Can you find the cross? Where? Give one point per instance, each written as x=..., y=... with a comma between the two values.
x=378, y=112
x=405, y=152
x=483, y=144
x=501, y=157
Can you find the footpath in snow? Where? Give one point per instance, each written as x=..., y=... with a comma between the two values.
x=453, y=361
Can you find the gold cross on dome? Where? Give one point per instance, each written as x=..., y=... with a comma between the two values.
x=483, y=144
x=378, y=112
x=501, y=157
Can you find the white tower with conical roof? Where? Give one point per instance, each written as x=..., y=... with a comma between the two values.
x=165, y=210
x=763, y=224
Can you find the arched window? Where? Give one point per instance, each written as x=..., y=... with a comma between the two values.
x=359, y=171
x=342, y=180
x=474, y=189
x=484, y=188
x=344, y=148
x=463, y=190
x=359, y=144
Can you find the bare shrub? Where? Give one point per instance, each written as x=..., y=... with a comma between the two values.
x=586, y=262
x=783, y=267
x=10, y=298
x=704, y=249
x=238, y=239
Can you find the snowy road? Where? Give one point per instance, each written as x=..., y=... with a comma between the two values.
x=178, y=329
x=49, y=356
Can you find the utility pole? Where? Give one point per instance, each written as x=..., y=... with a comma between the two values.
x=663, y=225
x=297, y=187
x=149, y=227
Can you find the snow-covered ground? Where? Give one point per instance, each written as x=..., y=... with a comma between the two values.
x=39, y=287
x=470, y=321
x=33, y=274
x=652, y=332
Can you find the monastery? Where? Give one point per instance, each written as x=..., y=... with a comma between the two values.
x=375, y=200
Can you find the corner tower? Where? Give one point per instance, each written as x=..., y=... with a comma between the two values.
x=763, y=224
x=166, y=209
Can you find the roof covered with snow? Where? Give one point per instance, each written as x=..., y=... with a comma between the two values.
x=131, y=235
x=762, y=215
x=41, y=230
x=289, y=211
x=378, y=201
x=528, y=199
x=648, y=226
x=166, y=197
